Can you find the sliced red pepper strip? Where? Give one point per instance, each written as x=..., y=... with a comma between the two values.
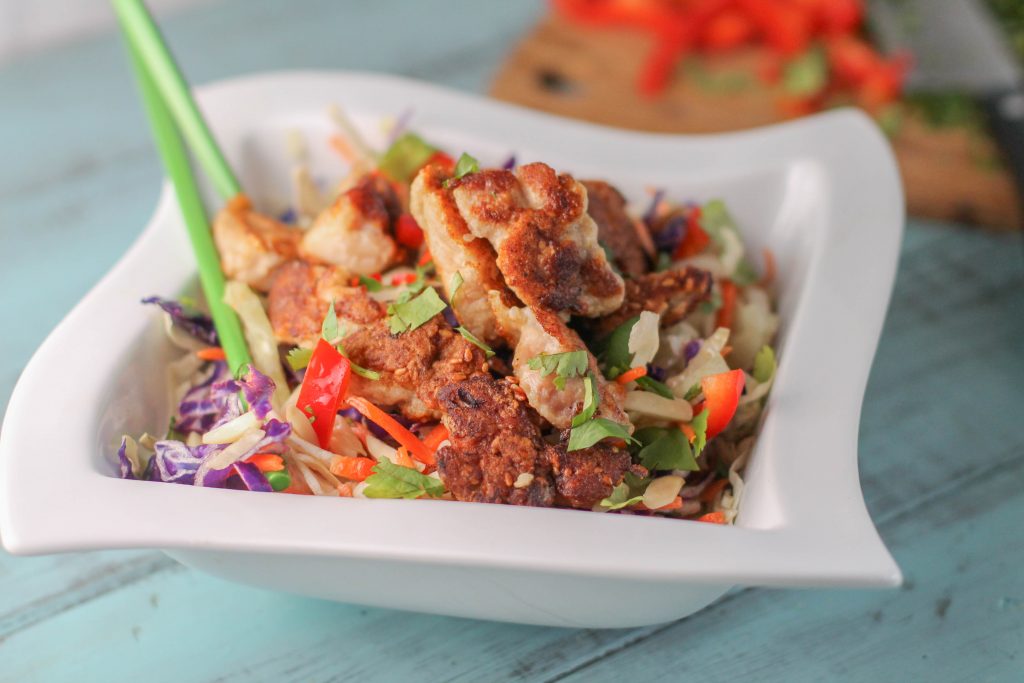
x=417, y=449
x=721, y=396
x=323, y=389
x=408, y=232
x=728, y=309
x=695, y=240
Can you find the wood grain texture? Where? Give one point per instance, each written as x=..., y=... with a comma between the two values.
x=940, y=437
x=590, y=73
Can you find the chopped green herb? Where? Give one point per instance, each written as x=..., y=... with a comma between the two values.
x=564, y=365
x=298, y=357
x=454, y=285
x=364, y=372
x=615, y=354
x=700, y=429
x=408, y=315
x=589, y=433
x=370, y=284
x=466, y=165
x=620, y=498
x=472, y=338
x=693, y=392
x=665, y=448
x=394, y=481
x=806, y=75
x=405, y=157
x=590, y=400
x=650, y=384
x=329, y=328
x=636, y=483
x=764, y=364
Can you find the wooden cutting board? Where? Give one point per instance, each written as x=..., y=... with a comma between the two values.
x=949, y=173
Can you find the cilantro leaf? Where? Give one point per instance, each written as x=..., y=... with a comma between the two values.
x=329, y=328
x=364, y=372
x=693, y=392
x=565, y=365
x=615, y=353
x=472, y=339
x=620, y=498
x=466, y=165
x=700, y=429
x=665, y=448
x=806, y=75
x=764, y=364
x=394, y=481
x=592, y=431
x=407, y=315
x=298, y=357
x=405, y=157
x=654, y=386
x=590, y=399
x=454, y=285
x=370, y=284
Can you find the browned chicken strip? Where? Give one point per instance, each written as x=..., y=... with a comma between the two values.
x=455, y=250
x=495, y=452
x=546, y=244
x=615, y=228
x=251, y=245
x=540, y=332
x=354, y=233
x=586, y=477
x=301, y=294
x=672, y=294
x=413, y=365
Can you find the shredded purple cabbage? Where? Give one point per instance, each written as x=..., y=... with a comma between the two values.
x=510, y=163
x=199, y=325
x=255, y=386
x=124, y=464
x=449, y=315
x=288, y=216
x=691, y=349
x=198, y=411
x=652, y=210
x=656, y=372
x=175, y=462
x=673, y=232
x=250, y=478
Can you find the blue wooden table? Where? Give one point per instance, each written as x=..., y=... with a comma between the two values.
x=942, y=433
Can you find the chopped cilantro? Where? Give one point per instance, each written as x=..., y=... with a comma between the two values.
x=370, y=284
x=394, y=481
x=404, y=316
x=692, y=392
x=700, y=429
x=329, y=328
x=454, y=285
x=806, y=75
x=615, y=353
x=650, y=384
x=590, y=400
x=298, y=357
x=665, y=448
x=472, y=338
x=405, y=157
x=466, y=165
x=764, y=364
x=592, y=431
x=564, y=365
x=620, y=498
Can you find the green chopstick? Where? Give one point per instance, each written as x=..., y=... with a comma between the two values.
x=149, y=48
x=175, y=161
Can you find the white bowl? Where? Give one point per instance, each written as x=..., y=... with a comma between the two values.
x=822, y=193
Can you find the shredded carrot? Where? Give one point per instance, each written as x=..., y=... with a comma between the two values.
x=353, y=281
x=425, y=258
x=403, y=279
x=725, y=313
x=267, y=462
x=240, y=202
x=402, y=458
x=713, y=517
x=356, y=468
x=341, y=146
x=712, y=490
x=690, y=434
x=211, y=353
x=632, y=374
x=726, y=350
x=769, y=268
x=346, y=489
x=417, y=448
x=436, y=437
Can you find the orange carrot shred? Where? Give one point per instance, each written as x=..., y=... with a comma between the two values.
x=341, y=146
x=713, y=517
x=725, y=313
x=211, y=353
x=712, y=490
x=402, y=458
x=769, y=268
x=436, y=437
x=632, y=374
x=267, y=462
x=690, y=434
x=417, y=448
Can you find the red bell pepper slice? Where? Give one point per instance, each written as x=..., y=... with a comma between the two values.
x=695, y=240
x=408, y=232
x=721, y=396
x=323, y=389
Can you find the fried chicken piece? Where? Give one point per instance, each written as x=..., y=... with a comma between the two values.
x=252, y=245
x=354, y=233
x=496, y=453
x=455, y=250
x=586, y=477
x=543, y=332
x=545, y=242
x=413, y=365
x=672, y=294
x=300, y=295
x=615, y=228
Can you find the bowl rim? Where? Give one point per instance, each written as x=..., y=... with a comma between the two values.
x=826, y=536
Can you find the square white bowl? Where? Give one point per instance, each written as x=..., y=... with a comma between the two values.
x=823, y=193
